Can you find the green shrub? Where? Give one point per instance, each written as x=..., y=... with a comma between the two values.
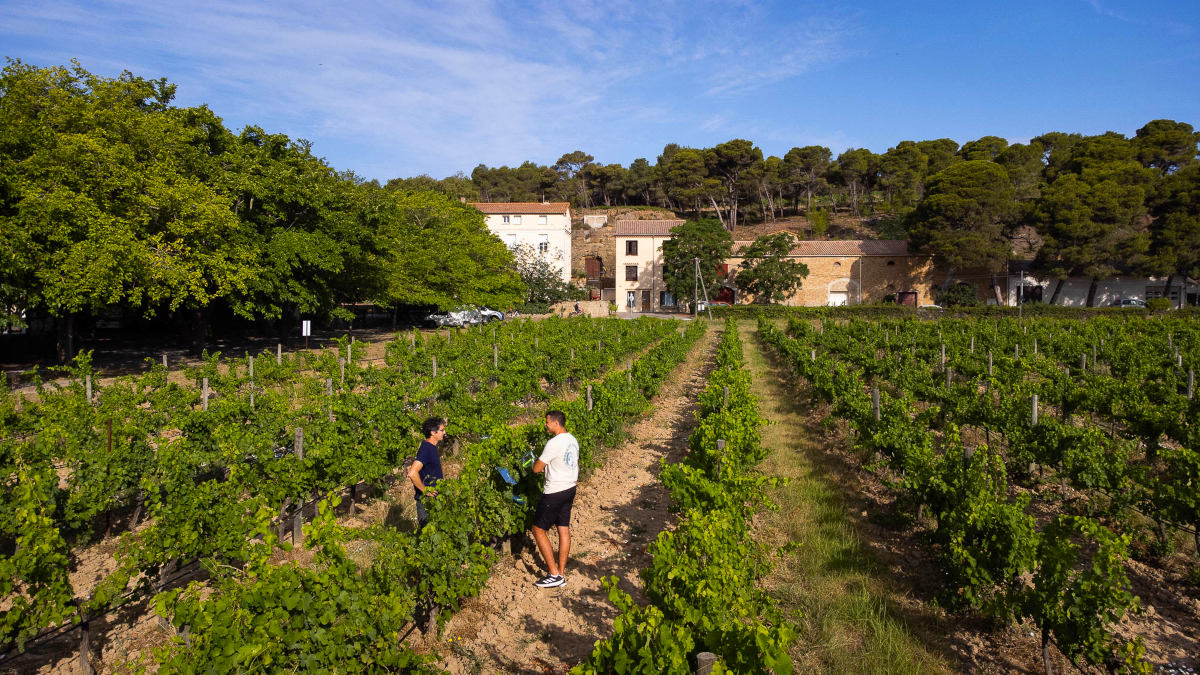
x=1158, y=304
x=960, y=294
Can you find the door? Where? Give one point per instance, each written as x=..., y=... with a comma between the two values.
x=646, y=301
x=594, y=267
x=908, y=298
x=838, y=298
x=631, y=300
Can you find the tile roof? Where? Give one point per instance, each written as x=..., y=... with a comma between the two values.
x=881, y=247
x=630, y=228
x=522, y=207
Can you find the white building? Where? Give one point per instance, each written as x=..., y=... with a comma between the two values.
x=1074, y=291
x=638, y=266
x=544, y=226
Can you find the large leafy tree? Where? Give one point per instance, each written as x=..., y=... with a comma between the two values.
x=854, y=170
x=1091, y=215
x=1175, y=232
x=731, y=163
x=766, y=272
x=1166, y=145
x=961, y=220
x=437, y=251
x=902, y=173
x=572, y=170
x=806, y=168
x=107, y=200
x=705, y=240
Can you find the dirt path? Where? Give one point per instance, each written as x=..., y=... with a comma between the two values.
x=515, y=627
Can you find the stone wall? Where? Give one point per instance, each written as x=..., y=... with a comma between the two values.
x=865, y=279
x=599, y=242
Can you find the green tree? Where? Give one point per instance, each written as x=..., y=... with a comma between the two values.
x=438, y=251
x=1175, y=231
x=731, y=162
x=806, y=167
x=941, y=153
x=640, y=182
x=705, y=240
x=854, y=170
x=1023, y=164
x=686, y=178
x=1091, y=214
x=961, y=220
x=572, y=170
x=1166, y=145
x=105, y=202
x=987, y=148
x=542, y=279
x=902, y=174
x=766, y=272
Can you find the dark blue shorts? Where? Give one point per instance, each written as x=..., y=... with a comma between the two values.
x=554, y=509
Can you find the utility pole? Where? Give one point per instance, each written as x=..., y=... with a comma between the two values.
x=699, y=280
x=1021, y=296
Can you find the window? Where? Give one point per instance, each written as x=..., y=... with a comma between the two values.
x=891, y=262
x=516, y=220
x=631, y=273
x=504, y=219
x=542, y=220
x=543, y=243
x=511, y=240
x=837, y=264
x=631, y=247
x=665, y=299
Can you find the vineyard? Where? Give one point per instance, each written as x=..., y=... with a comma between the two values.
x=1044, y=453
x=1035, y=461
x=256, y=456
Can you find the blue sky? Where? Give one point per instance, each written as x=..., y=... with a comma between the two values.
x=402, y=88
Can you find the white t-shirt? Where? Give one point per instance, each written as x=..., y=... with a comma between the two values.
x=561, y=456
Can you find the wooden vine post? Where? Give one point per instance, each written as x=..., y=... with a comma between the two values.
x=204, y=394
x=278, y=353
x=875, y=402
x=298, y=518
x=589, y=397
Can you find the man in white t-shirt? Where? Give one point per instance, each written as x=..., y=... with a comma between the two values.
x=560, y=461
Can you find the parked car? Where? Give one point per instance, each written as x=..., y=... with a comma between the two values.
x=465, y=316
x=1129, y=302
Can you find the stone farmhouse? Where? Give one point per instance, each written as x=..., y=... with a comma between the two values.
x=543, y=226
x=851, y=273
x=840, y=272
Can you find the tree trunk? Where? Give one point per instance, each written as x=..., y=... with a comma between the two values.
x=1091, y=299
x=996, y=288
x=1057, y=290
x=719, y=216
x=66, y=337
x=948, y=279
x=1167, y=285
x=198, y=330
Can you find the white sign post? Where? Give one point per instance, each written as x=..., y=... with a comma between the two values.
x=306, y=330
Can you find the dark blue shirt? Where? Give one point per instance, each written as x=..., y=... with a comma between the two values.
x=431, y=465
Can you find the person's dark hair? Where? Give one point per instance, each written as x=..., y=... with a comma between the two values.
x=558, y=416
x=431, y=425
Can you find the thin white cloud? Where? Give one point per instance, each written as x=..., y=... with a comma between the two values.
x=436, y=87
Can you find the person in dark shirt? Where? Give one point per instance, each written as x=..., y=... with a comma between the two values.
x=426, y=470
